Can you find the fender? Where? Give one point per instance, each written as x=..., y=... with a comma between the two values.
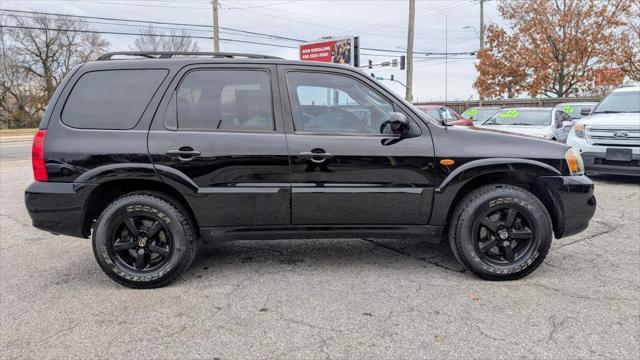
x=485, y=166
x=122, y=171
x=449, y=188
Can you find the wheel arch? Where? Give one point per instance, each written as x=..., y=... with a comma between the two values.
x=524, y=173
x=108, y=191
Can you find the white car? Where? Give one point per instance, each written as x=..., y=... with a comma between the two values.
x=545, y=123
x=609, y=138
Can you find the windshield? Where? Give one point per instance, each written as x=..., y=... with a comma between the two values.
x=531, y=117
x=620, y=102
x=574, y=109
x=479, y=114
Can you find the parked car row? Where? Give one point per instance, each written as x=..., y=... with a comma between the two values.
x=606, y=133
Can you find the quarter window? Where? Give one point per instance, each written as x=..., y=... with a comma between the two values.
x=111, y=99
x=231, y=100
x=330, y=103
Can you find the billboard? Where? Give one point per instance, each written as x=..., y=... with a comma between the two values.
x=344, y=50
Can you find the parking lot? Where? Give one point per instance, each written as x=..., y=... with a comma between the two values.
x=357, y=298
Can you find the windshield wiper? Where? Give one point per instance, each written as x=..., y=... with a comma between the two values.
x=607, y=112
x=520, y=124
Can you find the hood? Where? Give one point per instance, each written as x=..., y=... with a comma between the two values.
x=518, y=129
x=620, y=119
x=473, y=142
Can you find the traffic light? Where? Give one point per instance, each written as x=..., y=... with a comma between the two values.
x=392, y=77
x=370, y=64
x=402, y=61
x=373, y=75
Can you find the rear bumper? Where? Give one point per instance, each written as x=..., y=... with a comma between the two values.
x=596, y=163
x=574, y=201
x=58, y=207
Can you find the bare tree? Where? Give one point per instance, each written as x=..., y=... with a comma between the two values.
x=151, y=39
x=37, y=52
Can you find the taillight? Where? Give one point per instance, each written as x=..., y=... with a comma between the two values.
x=37, y=157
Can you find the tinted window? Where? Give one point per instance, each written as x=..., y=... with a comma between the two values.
x=111, y=99
x=230, y=100
x=618, y=102
x=521, y=117
x=336, y=103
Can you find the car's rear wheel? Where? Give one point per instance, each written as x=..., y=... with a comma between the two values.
x=144, y=241
x=500, y=232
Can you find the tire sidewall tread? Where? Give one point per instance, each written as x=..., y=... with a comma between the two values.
x=462, y=219
x=187, y=246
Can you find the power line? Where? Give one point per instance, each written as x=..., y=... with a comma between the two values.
x=150, y=22
x=208, y=27
x=138, y=34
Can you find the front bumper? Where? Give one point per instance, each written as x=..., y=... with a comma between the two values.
x=574, y=203
x=58, y=207
x=596, y=162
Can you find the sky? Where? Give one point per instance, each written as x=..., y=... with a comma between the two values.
x=380, y=24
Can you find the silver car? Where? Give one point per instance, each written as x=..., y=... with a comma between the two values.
x=577, y=110
x=546, y=123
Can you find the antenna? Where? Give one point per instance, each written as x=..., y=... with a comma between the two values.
x=446, y=57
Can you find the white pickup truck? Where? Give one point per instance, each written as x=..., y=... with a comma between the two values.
x=609, y=138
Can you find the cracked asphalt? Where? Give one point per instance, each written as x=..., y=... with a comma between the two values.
x=324, y=299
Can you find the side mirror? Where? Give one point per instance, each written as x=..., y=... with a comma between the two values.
x=585, y=111
x=566, y=124
x=398, y=123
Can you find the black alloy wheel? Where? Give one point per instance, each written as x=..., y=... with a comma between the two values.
x=504, y=236
x=141, y=243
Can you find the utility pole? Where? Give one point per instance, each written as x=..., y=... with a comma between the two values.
x=481, y=24
x=216, y=29
x=412, y=19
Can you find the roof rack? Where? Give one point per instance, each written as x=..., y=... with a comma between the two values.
x=172, y=54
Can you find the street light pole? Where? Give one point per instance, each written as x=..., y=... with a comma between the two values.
x=412, y=19
x=216, y=29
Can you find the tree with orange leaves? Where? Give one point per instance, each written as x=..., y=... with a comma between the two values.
x=551, y=47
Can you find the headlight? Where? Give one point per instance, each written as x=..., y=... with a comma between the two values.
x=574, y=161
x=543, y=136
x=579, y=130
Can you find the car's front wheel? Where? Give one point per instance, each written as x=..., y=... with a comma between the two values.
x=144, y=241
x=500, y=232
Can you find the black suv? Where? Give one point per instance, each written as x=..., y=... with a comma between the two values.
x=155, y=156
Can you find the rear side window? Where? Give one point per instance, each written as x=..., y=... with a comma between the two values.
x=225, y=100
x=111, y=99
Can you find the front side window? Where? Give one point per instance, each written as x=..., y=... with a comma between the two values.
x=111, y=99
x=330, y=103
x=231, y=100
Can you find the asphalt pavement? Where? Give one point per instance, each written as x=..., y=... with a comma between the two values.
x=15, y=150
x=321, y=299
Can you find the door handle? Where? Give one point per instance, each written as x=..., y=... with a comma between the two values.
x=316, y=157
x=184, y=153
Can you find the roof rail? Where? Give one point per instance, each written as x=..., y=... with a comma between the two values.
x=171, y=54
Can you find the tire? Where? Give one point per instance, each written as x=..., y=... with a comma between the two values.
x=500, y=232
x=144, y=240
